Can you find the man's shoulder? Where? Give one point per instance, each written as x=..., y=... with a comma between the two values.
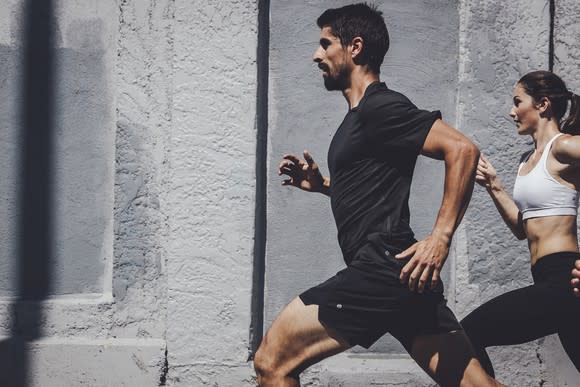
x=387, y=93
x=385, y=99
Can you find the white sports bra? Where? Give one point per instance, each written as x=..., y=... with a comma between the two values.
x=538, y=194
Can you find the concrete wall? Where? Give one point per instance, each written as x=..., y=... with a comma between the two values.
x=210, y=193
x=150, y=114
x=566, y=60
x=147, y=275
x=489, y=73
x=65, y=316
x=83, y=133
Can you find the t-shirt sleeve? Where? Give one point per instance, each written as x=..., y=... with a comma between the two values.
x=393, y=123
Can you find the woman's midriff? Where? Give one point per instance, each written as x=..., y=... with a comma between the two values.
x=551, y=234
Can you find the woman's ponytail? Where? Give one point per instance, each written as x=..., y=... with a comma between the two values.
x=571, y=124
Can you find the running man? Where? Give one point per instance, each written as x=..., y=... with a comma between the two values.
x=392, y=282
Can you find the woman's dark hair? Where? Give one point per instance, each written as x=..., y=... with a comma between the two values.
x=361, y=20
x=539, y=84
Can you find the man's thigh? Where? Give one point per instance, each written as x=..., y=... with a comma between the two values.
x=449, y=359
x=296, y=340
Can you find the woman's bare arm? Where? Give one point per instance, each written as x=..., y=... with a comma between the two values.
x=486, y=176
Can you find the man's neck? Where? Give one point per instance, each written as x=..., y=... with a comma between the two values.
x=360, y=79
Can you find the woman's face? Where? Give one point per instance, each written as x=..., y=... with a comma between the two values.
x=524, y=112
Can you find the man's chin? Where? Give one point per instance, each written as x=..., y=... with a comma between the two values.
x=331, y=84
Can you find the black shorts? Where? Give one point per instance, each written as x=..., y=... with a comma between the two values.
x=366, y=300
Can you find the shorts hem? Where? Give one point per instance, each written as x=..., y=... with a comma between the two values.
x=328, y=323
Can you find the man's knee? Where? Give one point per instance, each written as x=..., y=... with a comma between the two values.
x=271, y=369
x=261, y=365
x=264, y=365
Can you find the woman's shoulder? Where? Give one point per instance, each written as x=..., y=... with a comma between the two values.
x=566, y=149
x=564, y=141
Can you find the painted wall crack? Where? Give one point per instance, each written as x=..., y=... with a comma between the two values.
x=164, y=371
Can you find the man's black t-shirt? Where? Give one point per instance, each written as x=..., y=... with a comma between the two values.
x=371, y=161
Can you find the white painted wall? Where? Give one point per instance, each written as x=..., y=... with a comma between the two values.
x=209, y=199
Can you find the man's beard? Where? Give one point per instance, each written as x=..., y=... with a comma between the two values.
x=338, y=82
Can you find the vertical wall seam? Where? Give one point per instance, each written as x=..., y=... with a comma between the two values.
x=259, y=258
x=169, y=14
x=551, y=43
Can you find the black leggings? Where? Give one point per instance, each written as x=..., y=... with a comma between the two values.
x=526, y=314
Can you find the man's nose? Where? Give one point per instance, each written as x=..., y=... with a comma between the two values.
x=316, y=57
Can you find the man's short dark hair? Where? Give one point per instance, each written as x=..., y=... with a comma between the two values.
x=361, y=20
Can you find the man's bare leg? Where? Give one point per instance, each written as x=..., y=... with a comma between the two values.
x=449, y=359
x=295, y=341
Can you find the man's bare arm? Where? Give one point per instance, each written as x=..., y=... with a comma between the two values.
x=576, y=278
x=460, y=156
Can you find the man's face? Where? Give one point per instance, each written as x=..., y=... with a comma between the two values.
x=331, y=57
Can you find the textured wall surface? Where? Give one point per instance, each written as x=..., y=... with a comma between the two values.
x=82, y=131
x=567, y=65
x=210, y=191
x=566, y=47
x=107, y=299
x=155, y=148
x=488, y=73
x=143, y=72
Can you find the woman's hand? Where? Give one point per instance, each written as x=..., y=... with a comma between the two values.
x=486, y=176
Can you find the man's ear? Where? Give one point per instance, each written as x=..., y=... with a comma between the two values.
x=357, y=45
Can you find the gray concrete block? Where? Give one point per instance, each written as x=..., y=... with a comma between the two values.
x=371, y=369
x=77, y=362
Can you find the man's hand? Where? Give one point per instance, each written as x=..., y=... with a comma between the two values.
x=303, y=174
x=427, y=259
x=576, y=278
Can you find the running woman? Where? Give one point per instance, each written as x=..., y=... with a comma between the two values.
x=543, y=211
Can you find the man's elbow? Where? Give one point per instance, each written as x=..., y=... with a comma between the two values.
x=470, y=150
x=466, y=152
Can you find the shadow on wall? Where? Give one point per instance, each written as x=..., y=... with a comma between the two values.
x=35, y=233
